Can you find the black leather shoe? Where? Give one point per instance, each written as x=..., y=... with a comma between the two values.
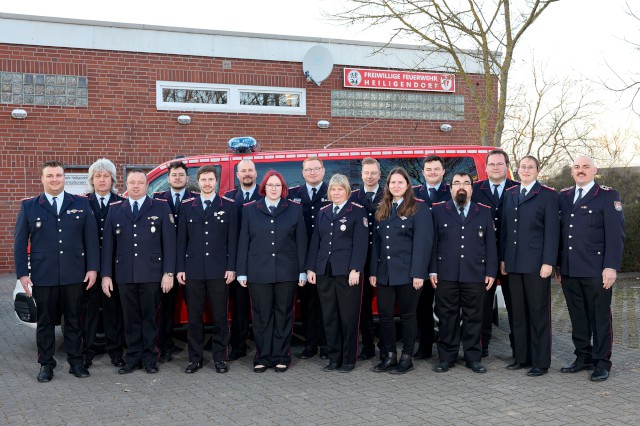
x=599, y=375
x=324, y=352
x=193, y=367
x=367, y=353
x=517, y=366
x=166, y=356
x=129, y=368
x=151, y=368
x=281, y=368
x=444, y=366
x=221, y=367
x=46, y=374
x=575, y=367
x=391, y=360
x=485, y=352
x=87, y=363
x=422, y=353
x=405, y=364
x=259, y=368
x=79, y=371
x=333, y=366
x=347, y=368
x=476, y=367
x=308, y=352
x=537, y=372
x=118, y=361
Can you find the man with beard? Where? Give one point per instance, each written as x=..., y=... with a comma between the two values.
x=178, y=179
x=490, y=192
x=591, y=247
x=433, y=191
x=463, y=266
x=239, y=296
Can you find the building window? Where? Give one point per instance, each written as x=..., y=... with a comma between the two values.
x=43, y=89
x=179, y=96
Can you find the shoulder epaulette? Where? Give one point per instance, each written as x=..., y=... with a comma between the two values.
x=298, y=202
x=354, y=190
x=160, y=192
x=325, y=207
x=606, y=188
x=438, y=203
x=164, y=200
x=548, y=187
x=249, y=203
x=115, y=202
x=228, y=199
x=195, y=192
x=356, y=204
x=483, y=205
x=416, y=186
x=419, y=200
x=28, y=198
x=187, y=200
x=512, y=187
x=231, y=193
x=567, y=188
x=294, y=187
x=86, y=195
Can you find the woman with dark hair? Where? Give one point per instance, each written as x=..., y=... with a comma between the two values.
x=272, y=249
x=402, y=240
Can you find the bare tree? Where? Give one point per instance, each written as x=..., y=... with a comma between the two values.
x=488, y=31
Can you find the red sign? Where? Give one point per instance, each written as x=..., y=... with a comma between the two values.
x=399, y=80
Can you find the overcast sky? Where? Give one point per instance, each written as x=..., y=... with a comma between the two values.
x=573, y=37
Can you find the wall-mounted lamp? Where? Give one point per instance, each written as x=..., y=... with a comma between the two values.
x=446, y=127
x=323, y=124
x=184, y=119
x=19, y=114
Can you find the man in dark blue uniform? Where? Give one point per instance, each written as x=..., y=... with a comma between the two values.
x=434, y=190
x=64, y=255
x=528, y=252
x=102, y=182
x=464, y=262
x=591, y=246
x=369, y=197
x=178, y=179
x=490, y=192
x=140, y=235
x=239, y=296
x=206, y=263
x=313, y=196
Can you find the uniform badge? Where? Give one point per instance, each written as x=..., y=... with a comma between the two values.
x=403, y=217
x=343, y=220
x=118, y=230
x=365, y=221
x=153, y=218
x=171, y=219
x=153, y=229
x=617, y=205
x=297, y=200
x=481, y=232
x=343, y=227
x=38, y=223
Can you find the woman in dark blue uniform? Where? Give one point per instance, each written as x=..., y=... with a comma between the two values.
x=337, y=254
x=272, y=250
x=402, y=239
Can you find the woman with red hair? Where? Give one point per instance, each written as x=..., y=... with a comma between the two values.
x=271, y=259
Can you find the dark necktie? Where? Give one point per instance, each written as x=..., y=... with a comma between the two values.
x=370, y=196
x=313, y=193
x=432, y=194
x=394, y=209
x=461, y=213
x=577, y=199
x=336, y=209
x=54, y=204
x=135, y=209
x=246, y=197
x=272, y=209
x=208, y=204
x=177, y=204
x=102, y=205
x=523, y=194
x=495, y=192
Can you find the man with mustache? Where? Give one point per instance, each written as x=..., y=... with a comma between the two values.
x=591, y=246
x=464, y=262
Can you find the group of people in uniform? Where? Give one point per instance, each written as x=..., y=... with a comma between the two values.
x=438, y=244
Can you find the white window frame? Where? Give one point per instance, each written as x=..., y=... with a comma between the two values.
x=233, y=99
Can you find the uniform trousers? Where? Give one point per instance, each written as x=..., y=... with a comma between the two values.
x=311, y=316
x=112, y=321
x=341, y=312
x=531, y=301
x=487, y=312
x=452, y=297
x=240, y=314
x=140, y=307
x=589, y=306
x=165, y=324
x=197, y=292
x=48, y=299
x=424, y=315
x=366, y=315
x=407, y=298
x=272, y=308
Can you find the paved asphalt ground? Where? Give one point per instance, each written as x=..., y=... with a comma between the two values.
x=306, y=395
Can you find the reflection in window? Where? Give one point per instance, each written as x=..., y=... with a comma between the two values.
x=189, y=96
x=270, y=99
x=161, y=183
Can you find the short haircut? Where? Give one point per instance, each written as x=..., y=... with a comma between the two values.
x=462, y=174
x=370, y=160
x=494, y=152
x=51, y=163
x=246, y=160
x=137, y=171
x=340, y=180
x=263, y=191
x=207, y=169
x=177, y=165
x=530, y=157
x=102, y=165
x=312, y=158
x=431, y=159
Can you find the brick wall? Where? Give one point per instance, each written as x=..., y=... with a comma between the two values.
x=122, y=123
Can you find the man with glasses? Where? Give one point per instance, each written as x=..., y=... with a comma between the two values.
x=433, y=191
x=178, y=179
x=313, y=196
x=490, y=192
x=463, y=266
x=528, y=252
x=241, y=303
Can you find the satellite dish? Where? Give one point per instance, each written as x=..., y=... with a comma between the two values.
x=317, y=64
